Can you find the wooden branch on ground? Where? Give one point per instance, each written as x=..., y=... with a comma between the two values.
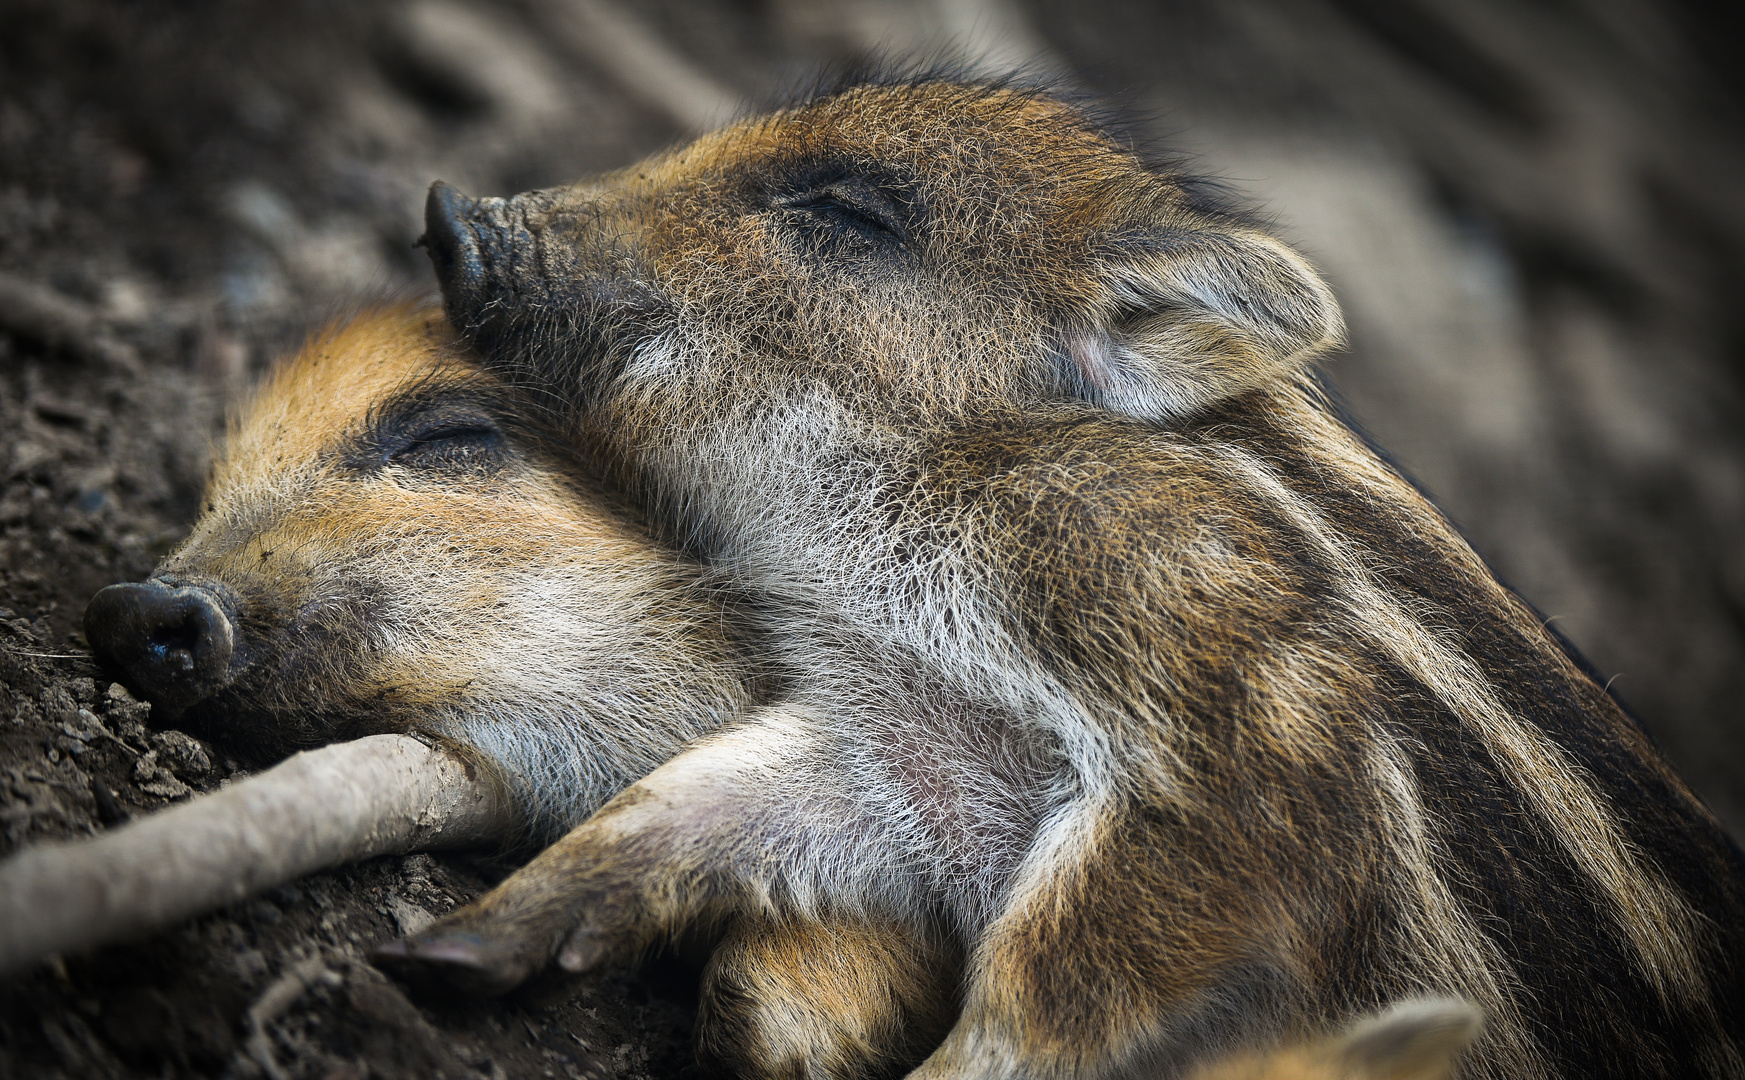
x=385, y=794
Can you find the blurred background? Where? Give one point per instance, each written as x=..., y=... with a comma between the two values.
x=1530, y=209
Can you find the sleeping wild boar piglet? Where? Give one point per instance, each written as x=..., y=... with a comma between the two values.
x=388, y=545
x=1120, y=658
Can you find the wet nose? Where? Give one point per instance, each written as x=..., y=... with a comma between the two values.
x=173, y=642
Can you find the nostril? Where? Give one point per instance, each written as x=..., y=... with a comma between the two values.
x=172, y=643
x=173, y=646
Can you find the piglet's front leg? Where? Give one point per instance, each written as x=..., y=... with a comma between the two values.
x=757, y=818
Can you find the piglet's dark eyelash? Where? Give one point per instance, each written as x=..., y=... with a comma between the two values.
x=856, y=203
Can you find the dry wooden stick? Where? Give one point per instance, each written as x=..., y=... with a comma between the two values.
x=379, y=795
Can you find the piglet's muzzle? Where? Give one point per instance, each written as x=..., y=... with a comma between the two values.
x=482, y=249
x=174, y=643
x=451, y=239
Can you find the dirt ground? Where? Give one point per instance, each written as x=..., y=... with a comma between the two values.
x=1530, y=213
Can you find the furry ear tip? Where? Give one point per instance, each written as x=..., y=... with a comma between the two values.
x=1329, y=315
x=1191, y=318
x=1293, y=292
x=1417, y=1039
x=1332, y=337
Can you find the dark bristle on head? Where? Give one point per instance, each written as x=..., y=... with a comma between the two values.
x=1124, y=126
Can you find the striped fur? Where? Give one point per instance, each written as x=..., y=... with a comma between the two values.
x=1125, y=664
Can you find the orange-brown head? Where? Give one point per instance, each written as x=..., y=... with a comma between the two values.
x=386, y=547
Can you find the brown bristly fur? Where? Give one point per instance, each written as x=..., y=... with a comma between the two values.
x=399, y=551
x=1120, y=660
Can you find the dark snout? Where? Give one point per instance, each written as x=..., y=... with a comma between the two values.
x=541, y=268
x=482, y=249
x=450, y=221
x=173, y=643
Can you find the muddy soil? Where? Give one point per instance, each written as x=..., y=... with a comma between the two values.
x=1529, y=212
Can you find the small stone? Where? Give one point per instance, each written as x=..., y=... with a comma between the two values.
x=109, y=808
x=125, y=709
x=184, y=753
x=416, y=868
x=408, y=916
x=251, y=965
x=166, y=786
x=57, y=701
x=154, y=779
x=146, y=768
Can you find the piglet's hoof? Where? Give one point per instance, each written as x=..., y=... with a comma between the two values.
x=455, y=959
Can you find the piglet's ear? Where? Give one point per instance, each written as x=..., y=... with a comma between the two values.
x=1418, y=1039
x=1194, y=316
